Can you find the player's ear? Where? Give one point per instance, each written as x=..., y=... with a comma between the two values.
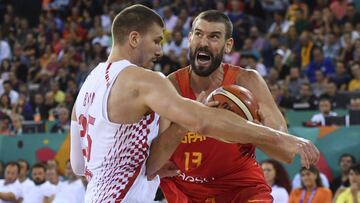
x=189, y=35
x=134, y=39
x=229, y=45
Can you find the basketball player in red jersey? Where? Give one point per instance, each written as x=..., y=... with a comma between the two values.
x=115, y=116
x=211, y=170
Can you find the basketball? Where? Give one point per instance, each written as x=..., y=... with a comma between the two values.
x=236, y=99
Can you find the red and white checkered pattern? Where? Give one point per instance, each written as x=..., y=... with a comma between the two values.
x=124, y=162
x=115, y=153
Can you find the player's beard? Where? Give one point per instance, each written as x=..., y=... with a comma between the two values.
x=215, y=62
x=39, y=182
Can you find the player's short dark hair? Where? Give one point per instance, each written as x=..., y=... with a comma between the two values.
x=13, y=163
x=134, y=18
x=218, y=17
x=313, y=169
x=39, y=165
x=353, y=159
x=26, y=163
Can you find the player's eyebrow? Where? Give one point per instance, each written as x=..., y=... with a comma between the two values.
x=212, y=33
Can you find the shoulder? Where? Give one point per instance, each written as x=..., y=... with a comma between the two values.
x=173, y=77
x=134, y=76
x=247, y=75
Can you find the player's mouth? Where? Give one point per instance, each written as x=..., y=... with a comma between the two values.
x=203, y=58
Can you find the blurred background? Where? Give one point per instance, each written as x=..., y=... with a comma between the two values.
x=308, y=52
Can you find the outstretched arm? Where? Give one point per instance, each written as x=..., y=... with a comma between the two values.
x=270, y=114
x=219, y=123
x=76, y=157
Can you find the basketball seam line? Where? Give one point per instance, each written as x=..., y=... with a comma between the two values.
x=237, y=101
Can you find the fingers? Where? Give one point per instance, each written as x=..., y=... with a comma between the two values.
x=213, y=104
x=169, y=173
x=309, y=153
x=304, y=156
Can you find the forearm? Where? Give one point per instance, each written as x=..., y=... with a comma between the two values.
x=7, y=196
x=232, y=128
x=163, y=147
x=76, y=158
x=278, y=153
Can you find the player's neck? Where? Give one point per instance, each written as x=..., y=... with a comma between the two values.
x=119, y=53
x=310, y=187
x=208, y=83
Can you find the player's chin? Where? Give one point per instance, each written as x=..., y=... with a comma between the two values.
x=149, y=65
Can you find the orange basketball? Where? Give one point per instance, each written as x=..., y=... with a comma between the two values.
x=236, y=99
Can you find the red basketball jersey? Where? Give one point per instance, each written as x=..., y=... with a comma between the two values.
x=209, y=167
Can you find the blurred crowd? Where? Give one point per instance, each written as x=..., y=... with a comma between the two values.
x=43, y=182
x=308, y=52
x=303, y=48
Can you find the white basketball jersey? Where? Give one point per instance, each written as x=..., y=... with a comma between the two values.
x=114, y=153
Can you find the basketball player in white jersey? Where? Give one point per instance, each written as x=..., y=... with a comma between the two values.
x=116, y=114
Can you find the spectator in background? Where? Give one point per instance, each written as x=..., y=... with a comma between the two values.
x=305, y=49
x=169, y=18
x=42, y=190
x=63, y=123
x=23, y=108
x=301, y=22
x=325, y=110
x=348, y=34
x=71, y=190
x=59, y=95
x=9, y=91
x=40, y=111
x=321, y=63
x=270, y=49
x=25, y=183
x=16, y=121
x=296, y=5
x=345, y=162
x=354, y=84
x=319, y=84
x=52, y=175
x=5, y=124
x=331, y=46
x=351, y=15
x=5, y=50
x=355, y=103
x=177, y=46
x=305, y=100
x=281, y=98
x=5, y=70
x=278, y=179
x=337, y=101
x=312, y=190
x=10, y=189
x=294, y=81
x=282, y=68
x=342, y=77
x=5, y=104
x=254, y=62
x=350, y=194
x=258, y=41
x=338, y=7
x=279, y=21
